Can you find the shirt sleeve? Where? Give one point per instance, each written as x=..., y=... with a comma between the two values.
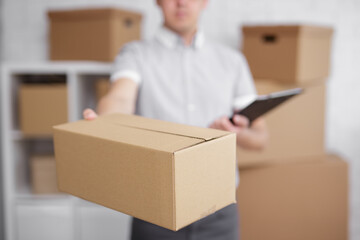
x=245, y=91
x=127, y=64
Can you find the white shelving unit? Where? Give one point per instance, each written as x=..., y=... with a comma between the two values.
x=57, y=216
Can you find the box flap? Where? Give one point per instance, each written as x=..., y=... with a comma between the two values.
x=143, y=132
x=164, y=126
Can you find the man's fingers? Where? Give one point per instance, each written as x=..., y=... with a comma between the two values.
x=241, y=121
x=217, y=124
x=226, y=124
x=89, y=114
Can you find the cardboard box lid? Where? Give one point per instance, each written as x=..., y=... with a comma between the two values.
x=143, y=132
x=288, y=29
x=95, y=13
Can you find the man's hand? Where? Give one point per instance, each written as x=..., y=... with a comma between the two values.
x=121, y=98
x=89, y=114
x=240, y=124
x=252, y=137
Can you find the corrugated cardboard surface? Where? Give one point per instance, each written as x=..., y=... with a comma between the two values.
x=91, y=34
x=296, y=128
x=165, y=173
x=199, y=172
x=43, y=174
x=289, y=54
x=40, y=107
x=297, y=201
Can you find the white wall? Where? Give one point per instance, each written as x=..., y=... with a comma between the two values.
x=25, y=39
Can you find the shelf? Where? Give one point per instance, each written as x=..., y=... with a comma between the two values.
x=17, y=135
x=60, y=216
x=24, y=193
x=26, y=197
x=58, y=67
x=41, y=198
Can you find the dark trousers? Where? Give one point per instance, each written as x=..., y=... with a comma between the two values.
x=221, y=225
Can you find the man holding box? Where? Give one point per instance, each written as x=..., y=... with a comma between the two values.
x=181, y=77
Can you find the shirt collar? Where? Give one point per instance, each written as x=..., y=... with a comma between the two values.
x=171, y=39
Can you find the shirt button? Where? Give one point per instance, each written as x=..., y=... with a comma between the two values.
x=191, y=107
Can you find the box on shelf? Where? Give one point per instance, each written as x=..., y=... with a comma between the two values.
x=296, y=127
x=302, y=200
x=91, y=34
x=102, y=86
x=43, y=174
x=165, y=173
x=289, y=54
x=41, y=106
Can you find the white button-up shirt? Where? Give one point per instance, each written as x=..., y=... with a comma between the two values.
x=192, y=85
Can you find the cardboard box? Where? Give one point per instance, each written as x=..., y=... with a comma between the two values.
x=289, y=54
x=165, y=173
x=91, y=34
x=43, y=174
x=102, y=86
x=296, y=127
x=40, y=107
x=297, y=201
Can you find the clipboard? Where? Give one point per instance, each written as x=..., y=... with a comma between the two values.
x=264, y=103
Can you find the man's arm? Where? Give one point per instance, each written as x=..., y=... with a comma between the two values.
x=254, y=137
x=121, y=98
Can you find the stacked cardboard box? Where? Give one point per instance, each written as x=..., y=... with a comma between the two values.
x=43, y=174
x=42, y=105
x=296, y=128
x=292, y=189
x=297, y=201
x=91, y=34
x=294, y=54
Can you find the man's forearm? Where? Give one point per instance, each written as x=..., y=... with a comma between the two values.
x=109, y=104
x=121, y=98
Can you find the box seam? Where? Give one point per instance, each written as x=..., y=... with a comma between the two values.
x=177, y=134
x=212, y=139
x=110, y=140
